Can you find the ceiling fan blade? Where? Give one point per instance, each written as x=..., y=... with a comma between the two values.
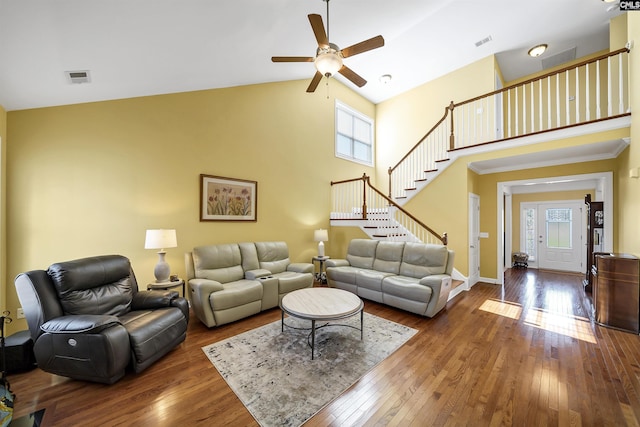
x=292, y=59
x=314, y=82
x=351, y=75
x=372, y=43
x=318, y=30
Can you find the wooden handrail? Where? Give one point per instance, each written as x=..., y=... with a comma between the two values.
x=366, y=180
x=398, y=170
x=442, y=238
x=544, y=76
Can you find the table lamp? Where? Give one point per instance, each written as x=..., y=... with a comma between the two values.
x=160, y=239
x=320, y=236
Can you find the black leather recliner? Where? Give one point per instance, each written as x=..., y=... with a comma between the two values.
x=89, y=322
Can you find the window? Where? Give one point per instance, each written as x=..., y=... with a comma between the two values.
x=559, y=228
x=528, y=242
x=354, y=135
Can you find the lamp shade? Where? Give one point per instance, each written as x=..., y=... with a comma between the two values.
x=160, y=239
x=320, y=235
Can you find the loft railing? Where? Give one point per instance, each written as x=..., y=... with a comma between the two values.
x=357, y=199
x=587, y=92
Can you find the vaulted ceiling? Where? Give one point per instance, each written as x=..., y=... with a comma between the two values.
x=146, y=47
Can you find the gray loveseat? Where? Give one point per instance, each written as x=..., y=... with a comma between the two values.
x=412, y=276
x=232, y=281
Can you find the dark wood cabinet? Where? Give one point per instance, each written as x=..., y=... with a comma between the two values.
x=595, y=237
x=616, y=291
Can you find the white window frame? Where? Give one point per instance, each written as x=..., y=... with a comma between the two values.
x=340, y=106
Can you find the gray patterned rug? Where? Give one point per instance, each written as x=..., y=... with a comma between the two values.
x=273, y=375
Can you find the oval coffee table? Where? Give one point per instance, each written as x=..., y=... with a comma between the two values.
x=324, y=304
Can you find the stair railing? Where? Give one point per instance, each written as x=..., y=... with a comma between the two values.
x=357, y=199
x=587, y=92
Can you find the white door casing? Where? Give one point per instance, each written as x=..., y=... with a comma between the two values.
x=474, y=239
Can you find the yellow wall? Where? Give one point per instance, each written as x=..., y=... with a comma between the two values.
x=89, y=179
x=628, y=189
x=3, y=204
x=517, y=199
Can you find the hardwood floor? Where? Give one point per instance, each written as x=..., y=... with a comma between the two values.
x=527, y=353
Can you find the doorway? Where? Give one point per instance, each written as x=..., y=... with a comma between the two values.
x=552, y=234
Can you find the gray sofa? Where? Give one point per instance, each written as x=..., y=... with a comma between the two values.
x=411, y=276
x=232, y=281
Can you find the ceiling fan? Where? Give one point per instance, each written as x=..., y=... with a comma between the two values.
x=328, y=59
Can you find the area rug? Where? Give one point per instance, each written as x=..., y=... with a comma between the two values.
x=273, y=375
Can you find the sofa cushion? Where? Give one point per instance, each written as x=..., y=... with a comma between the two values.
x=249, y=256
x=388, y=257
x=407, y=288
x=361, y=253
x=273, y=256
x=289, y=281
x=420, y=260
x=151, y=331
x=95, y=285
x=221, y=263
x=371, y=279
x=236, y=294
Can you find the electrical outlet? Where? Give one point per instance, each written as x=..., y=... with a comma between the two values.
x=20, y=313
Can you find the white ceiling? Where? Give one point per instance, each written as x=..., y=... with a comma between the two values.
x=147, y=47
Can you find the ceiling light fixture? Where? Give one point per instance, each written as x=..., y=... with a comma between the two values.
x=328, y=60
x=537, y=50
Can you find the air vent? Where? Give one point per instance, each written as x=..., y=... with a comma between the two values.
x=77, y=77
x=559, y=58
x=483, y=41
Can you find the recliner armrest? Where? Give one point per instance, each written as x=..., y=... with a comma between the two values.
x=257, y=273
x=337, y=263
x=79, y=324
x=145, y=300
x=300, y=267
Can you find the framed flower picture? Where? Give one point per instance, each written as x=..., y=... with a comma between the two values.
x=227, y=199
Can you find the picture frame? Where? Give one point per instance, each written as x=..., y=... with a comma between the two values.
x=228, y=199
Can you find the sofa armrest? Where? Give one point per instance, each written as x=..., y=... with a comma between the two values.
x=440, y=285
x=79, y=324
x=300, y=267
x=256, y=274
x=145, y=300
x=337, y=263
x=200, y=291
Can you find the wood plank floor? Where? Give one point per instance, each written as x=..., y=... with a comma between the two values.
x=527, y=353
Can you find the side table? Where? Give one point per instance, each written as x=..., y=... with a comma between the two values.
x=320, y=276
x=166, y=285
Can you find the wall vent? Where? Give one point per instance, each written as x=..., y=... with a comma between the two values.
x=559, y=58
x=77, y=77
x=483, y=41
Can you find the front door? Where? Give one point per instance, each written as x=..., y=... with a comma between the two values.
x=560, y=236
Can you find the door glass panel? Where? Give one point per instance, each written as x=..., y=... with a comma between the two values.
x=558, y=225
x=530, y=238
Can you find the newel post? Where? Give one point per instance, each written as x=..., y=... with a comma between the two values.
x=451, y=137
x=390, y=171
x=364, y=196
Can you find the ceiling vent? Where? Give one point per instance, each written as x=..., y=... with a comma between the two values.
x=77, y=77
x=559, y=58
x=483, y=41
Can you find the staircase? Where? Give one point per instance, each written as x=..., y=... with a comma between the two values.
x=516, y=115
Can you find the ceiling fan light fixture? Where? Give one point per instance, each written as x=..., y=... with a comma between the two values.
x=328, y=61
x=538, y=50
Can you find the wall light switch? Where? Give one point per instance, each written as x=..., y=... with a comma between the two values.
x=633, y=173
x=484, y=235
